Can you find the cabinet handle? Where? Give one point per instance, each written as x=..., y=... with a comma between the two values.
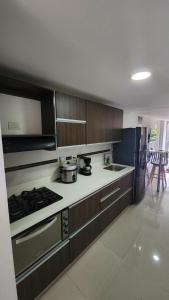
x=61, y=120
x=35, y=233
x=109, y=195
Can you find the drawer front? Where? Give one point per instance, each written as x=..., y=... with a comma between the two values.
x=30, y=246
x=39, y=278
x=109, y=214
x=83, y=211
x=110, y=193
x=126, y=200
x=83, y=238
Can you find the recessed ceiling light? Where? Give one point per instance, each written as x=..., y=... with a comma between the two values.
x=156, y=257
x=141, y=75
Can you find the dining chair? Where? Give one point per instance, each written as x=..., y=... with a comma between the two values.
x=159, y=159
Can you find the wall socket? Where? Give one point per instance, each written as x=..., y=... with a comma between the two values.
x=13, y=126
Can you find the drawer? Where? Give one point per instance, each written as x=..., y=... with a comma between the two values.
x=80, y=240
x=111, y=212
x=110, y=193
x=83, y=211
x=39, y=277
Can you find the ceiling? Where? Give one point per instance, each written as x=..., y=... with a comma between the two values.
x=92, y=46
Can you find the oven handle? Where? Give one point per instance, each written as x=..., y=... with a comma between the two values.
x=35, y=233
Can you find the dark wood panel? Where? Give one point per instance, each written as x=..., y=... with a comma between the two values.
x=17, y=87
x=117, y=117
x=126, y=200
x=104, y=123
x=114, y=210
x=109, y=215
x=70, y=107
x=69, y=134
x=95, y=123
x=83, y=238
x=83, y=211
x=48, y=114
x=32, y=285
x=117, y=188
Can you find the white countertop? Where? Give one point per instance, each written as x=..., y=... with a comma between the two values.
x=71, y=193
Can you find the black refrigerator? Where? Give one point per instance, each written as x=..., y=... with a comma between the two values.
x=131, y=151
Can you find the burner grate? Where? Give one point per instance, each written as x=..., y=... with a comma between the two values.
x=30, y=201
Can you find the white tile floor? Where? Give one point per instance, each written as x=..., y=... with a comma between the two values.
x=130, y=261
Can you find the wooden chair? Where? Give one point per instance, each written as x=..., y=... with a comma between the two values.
x=159, y=159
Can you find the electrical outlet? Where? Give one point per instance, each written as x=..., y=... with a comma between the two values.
x=13, y=126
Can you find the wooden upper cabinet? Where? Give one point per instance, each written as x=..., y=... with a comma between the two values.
x=70, y=107
x=70, y=120
x=104, y=123
x=117, y=123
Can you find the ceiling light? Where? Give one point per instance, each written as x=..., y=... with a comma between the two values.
x=141, y=75
x=156, y=257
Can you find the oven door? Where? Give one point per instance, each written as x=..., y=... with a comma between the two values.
x=35, y=242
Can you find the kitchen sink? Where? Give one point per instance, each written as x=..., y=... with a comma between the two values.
x=114, y=168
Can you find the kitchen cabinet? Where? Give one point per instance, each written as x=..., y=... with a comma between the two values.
x=91, y=215
x=113, y=210
x=117, y=119
x=80, y=240
x=104, y=123
x=35, y=280
x=69, y=134
x=114, y=190
x=70, y=120
x=83, y=211
x=70, y=107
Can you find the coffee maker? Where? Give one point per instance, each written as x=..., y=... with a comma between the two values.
x=85, y=167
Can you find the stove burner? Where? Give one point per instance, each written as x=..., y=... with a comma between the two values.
x=30, y=201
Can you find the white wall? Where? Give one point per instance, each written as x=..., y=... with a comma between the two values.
x=7, y=277
x=130, y=118
x=50, y=170
x=25, y=112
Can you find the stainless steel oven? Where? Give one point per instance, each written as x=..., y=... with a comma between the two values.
x=35, y=242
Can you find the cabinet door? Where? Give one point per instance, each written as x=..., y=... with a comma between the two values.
x=70, y=107
x=83, y=211
x=95, y=123
x=117, y=117
x=80, y=240
x=44, y=273
x=69, y=134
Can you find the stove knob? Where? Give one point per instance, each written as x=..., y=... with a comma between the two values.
x=65, y=218
x=65, y=231
x=65, y=224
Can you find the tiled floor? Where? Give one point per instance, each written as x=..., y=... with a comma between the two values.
x=130, y=261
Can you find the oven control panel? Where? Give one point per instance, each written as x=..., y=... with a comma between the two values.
x=65, y=224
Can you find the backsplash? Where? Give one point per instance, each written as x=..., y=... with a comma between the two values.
x=49, y=170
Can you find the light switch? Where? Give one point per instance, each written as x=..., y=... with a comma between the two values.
x=13, y=126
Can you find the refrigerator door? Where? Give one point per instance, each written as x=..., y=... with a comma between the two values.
x=124, y=152
x=140, y=171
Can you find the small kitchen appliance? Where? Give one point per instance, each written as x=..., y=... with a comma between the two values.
x=68, y=172
x=85, y=166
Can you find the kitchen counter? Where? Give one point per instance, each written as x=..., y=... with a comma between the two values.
x=71, y=193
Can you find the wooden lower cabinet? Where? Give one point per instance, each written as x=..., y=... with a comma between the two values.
x=83, y=211
x=43, y=274
x=112, y=211
x=80, y=240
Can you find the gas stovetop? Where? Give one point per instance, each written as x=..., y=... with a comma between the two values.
x=30, y=201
